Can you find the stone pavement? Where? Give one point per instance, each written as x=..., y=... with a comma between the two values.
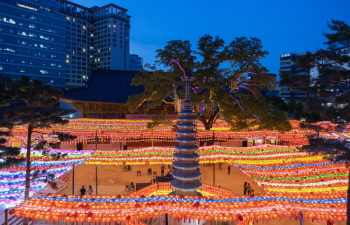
x=111, y=180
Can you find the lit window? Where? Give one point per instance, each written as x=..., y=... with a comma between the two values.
x=67, y=56
x=44, y=72
x=27, y=7
x=9, y=21
x=84, y=27
x=67, y=61
x=43, y=37
x=9, y=50
x=67, y=18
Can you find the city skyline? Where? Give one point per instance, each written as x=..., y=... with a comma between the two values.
x=291, y=27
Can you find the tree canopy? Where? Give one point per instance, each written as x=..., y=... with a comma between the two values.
x=228, y=82
x=334, y=150
x=8, y=154
x=39, y=110
x=327, y=94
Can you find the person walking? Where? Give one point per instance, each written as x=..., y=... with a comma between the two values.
x=228, y=169
x=89, y=191
x=249, y=189
x=245, y=188
x=82, y=190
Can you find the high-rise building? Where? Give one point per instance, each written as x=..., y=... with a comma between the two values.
x=97, y=37
x=61, y=42
x=287, y=65
x=32, y=41
x=135, y=63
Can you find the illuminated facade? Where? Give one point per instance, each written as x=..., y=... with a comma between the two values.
x=60, y=42
x=97, y=37
x=32, y=41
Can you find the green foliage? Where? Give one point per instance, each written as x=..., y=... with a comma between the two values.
x=301, y=82
x=39, y=111
x=8, y=155
x=333, y=149
x=277, y=103
x=341, y=37
x=161, y=119
x=331, y=86
x=218, y=91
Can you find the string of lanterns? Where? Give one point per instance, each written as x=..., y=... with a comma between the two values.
x=12, y=180
x=135, y=131
x=118, y=208
x=293, y=181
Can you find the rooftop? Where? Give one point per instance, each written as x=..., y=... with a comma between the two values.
x=111, y=86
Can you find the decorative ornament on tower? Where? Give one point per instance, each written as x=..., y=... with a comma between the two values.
x=186, y=174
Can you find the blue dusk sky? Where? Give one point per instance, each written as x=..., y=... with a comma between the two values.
x=283, y=26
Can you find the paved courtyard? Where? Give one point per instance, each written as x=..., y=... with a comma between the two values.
x=111, y=180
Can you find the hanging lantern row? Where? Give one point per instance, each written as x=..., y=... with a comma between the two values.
x=116, y=208
x=12, y=180
x=165, y=188
x=135, y=131
x=293, y=180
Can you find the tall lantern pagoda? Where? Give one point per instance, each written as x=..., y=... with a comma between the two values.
x=186, y=174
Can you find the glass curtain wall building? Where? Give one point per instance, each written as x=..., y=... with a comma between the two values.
x=60, y=42
x=32, y=41
x=97, y=37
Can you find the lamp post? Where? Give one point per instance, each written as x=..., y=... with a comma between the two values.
x=96, y=141
x=213, y=174
x=6, y=217
x=73, y=179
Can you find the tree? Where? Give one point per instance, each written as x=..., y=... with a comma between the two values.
x=330, y=88
x=39, y=110
x=334, y=150
x=8, y=155
x=233, y=93
x=277, y=102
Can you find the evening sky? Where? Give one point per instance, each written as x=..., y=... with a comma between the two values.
x=283, y=26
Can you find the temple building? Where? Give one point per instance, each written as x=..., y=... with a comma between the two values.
x=105, y=96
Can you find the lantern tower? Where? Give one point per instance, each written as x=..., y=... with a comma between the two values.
x=186, y=174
